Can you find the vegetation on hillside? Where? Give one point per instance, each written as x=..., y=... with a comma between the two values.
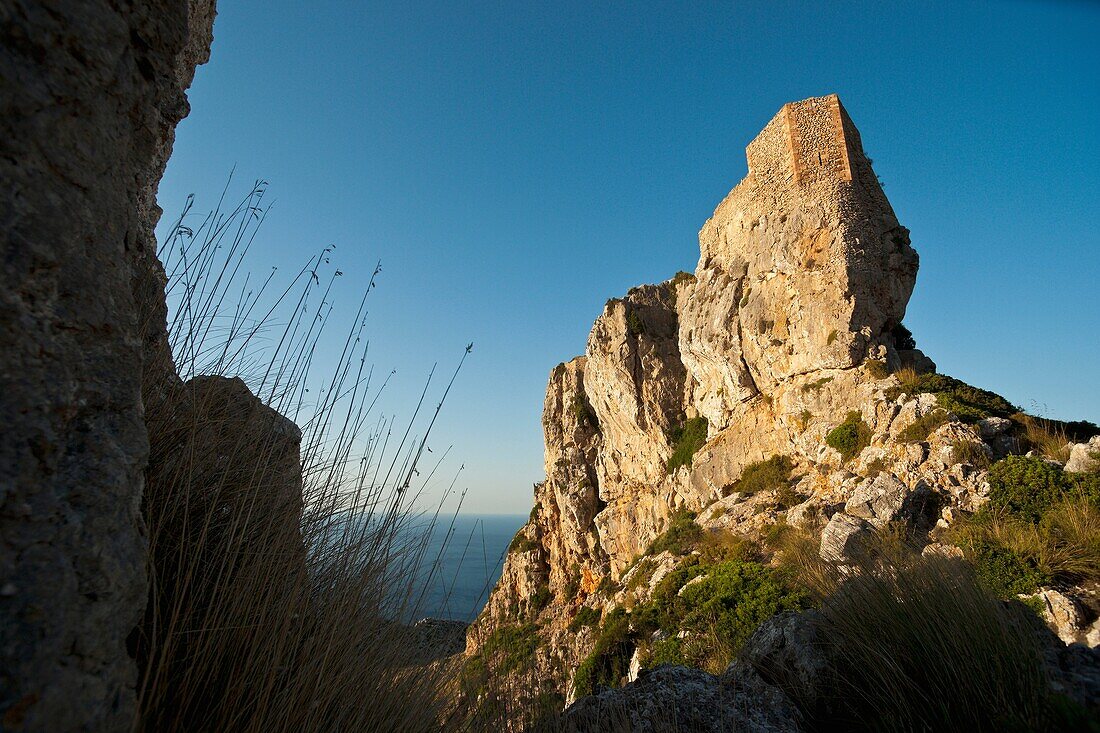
x=680, y=537
x=969, y=403
x=923, y=426
x=700, y=614
x=766, y=475
x=1041, y=526
x=850, y=437
x=686, y=440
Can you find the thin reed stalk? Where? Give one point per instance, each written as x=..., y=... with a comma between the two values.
x=284, y=563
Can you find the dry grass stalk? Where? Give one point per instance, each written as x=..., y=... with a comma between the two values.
x=1047, y=437
x=277, y=585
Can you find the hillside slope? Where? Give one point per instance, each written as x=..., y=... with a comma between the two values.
x=772, y=389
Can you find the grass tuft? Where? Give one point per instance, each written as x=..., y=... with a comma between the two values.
x=923, y=426
x=281, y=575
x=763, y=476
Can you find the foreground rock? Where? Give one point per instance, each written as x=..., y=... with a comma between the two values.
x=670, y=699
x=90, y=94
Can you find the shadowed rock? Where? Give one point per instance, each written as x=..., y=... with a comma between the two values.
x=90, y=94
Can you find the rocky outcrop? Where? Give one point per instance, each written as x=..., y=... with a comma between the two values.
x=1084, y=457
x=684, y=700
x=90, y=94
x=803, y=266
x=224, y=462
x=785, y=342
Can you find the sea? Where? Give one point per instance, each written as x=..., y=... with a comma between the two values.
x=464, y=557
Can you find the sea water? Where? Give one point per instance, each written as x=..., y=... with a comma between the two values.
x=462, y=562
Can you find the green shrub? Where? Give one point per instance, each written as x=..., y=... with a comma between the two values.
x=1040, y=526
x=923, y=426
x=875, y=467
x=970, y=452
x=718, y=612
x=585, y=617
x=680, y=537
x=816, y=385
x=832, y=337
x=573, y=584
x=1026, y=487
x=634, y=323
x=877, y=368
x=787, y=497
x=686, y=440
x=731, y=601
x=522, y=543
x=718, y=545
x=903, y=338
x=1003, y=572
x=539, y=600
x=850, y=437
x=511, y=647
x=969, y=403
x=674, y=283
x=804, y=418
x=764, y=475
x=667, y=651
x=584, y=413
x=683, y=277
x=609, y=660
x=641, y=573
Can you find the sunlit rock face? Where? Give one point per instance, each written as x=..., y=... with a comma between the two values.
x=803, y=274
x=802, y=267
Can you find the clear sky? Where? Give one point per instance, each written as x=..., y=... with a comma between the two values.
x=514, y=165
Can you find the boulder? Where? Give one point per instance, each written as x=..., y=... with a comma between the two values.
x=672, y=698
x=1084, y=457
x=991, y=427
x=1064, y=615
x=787, y=651
x=885, y=499
x=843, y=537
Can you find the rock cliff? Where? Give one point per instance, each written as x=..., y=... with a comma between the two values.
x=90, y=94
x=784, y=350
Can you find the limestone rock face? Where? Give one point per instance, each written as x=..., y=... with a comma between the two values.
x=803, y=266
x=573, y=439
x=786, y=330
x=885, y=499
x=634, y=380
x=843, y=537
x=90, y=94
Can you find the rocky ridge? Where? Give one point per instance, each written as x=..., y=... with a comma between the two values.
x=786, y=338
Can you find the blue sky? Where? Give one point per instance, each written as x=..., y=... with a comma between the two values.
x=515, y=165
